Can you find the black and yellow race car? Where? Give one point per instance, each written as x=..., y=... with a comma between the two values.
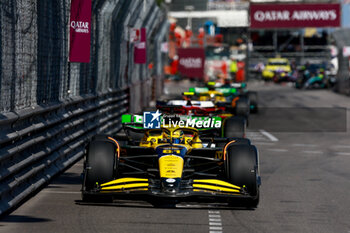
x=171, y=164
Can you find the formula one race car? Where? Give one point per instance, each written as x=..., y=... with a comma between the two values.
x=232, y=126
x=239, y=106
x=276, y=68
x=314, y=76
x=171, y=165
x=234, y=94
x=237, y=91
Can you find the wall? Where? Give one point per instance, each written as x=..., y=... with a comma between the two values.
x=50, y=108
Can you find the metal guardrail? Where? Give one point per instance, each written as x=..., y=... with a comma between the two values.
x=38, y=143
x=49, y=107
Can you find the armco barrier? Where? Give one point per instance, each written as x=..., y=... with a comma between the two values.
x=40, y=142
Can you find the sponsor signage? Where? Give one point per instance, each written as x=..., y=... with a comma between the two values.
x=151, y=120
x=191, y=62
x=134, y=34
x=294, y=15
x=80, y=29
x=346, y=51
x=155, y=120
x=140, y=48
x=164, y=47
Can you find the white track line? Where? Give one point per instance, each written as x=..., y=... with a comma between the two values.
x=264, y=143
x=305, y=145
x=341, y=146
x=215, y=225
x=312, y=152
x=269, y=135
x=342, y=153
x=278, y=150
x=213, y=212
x=215, y=219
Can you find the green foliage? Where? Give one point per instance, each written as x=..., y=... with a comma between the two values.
x=159, y=2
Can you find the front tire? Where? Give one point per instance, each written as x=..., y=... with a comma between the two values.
x=100, y=165
x=242, y=170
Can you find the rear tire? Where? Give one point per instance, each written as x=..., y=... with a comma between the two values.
x=242, y=170
x=253, y=98
x=243, y=107
x=100, y=165
x=234, y=127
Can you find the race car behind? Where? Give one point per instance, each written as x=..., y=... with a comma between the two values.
x=236, y=94
x=232, y=126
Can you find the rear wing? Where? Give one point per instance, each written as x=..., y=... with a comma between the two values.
x=198, y=90
x=186, y=103
x=227, y=91
x=132, y=121
x=238, y=85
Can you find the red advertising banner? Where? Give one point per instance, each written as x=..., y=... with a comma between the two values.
x=191, y=62
x=80, y=28
x=294, y=15
x=140, y=52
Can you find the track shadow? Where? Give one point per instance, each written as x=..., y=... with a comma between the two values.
x=68, y=178
x=23, y=219
x=182, y=205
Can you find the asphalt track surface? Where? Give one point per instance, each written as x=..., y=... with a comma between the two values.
x=305, y=184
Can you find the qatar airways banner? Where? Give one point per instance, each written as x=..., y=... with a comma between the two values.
x=80, y=28
x=140, y=52
x=191, y=62
x=294, y=15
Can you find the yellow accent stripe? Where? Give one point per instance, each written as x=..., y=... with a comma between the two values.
x=217, y=182
x=125, y=186
x=215, y=188
x=124, y=180
x=130, y=190
x=208, y=191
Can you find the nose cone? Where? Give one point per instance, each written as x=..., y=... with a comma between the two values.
x=170, y=166
x=170, y=186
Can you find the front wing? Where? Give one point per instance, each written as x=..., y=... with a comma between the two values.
x=188, y=188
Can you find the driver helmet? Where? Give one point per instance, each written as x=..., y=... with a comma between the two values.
x=166, y=135
x=178, y=137
x=211, y=86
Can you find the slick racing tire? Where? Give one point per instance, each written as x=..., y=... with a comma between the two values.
x=100, y=164
x=242, y=170
x=234, y=127
x=238, y=141
x=242, y=141
x=253, y=98
x=243, y=107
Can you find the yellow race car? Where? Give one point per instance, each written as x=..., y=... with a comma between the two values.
x=276, y=66
x=171, y=165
